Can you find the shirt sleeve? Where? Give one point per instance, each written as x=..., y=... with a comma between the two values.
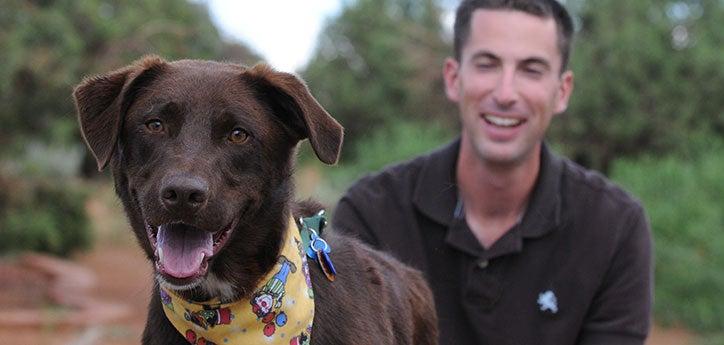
x=621, y=310
x=348, y=220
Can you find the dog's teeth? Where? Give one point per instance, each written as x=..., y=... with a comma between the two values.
x=159, y=250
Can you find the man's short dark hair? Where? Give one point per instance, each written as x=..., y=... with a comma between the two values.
x=539, y=8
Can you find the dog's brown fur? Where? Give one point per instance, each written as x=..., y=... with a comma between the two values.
x=375, y=299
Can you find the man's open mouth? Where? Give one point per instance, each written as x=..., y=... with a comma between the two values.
x=504, y=122
x=182, y=251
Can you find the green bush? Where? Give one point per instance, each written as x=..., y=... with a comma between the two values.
x=683, y=198
x=713, y=339
x=400, y=141
x=42, y=215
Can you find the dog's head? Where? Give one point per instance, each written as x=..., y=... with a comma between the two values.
x=201, y=153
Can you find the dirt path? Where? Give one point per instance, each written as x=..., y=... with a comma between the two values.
x=124, y=275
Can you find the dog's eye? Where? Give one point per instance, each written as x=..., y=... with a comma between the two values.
x=238, y=136
x=154, y=126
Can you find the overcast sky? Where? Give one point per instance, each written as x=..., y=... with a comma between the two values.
x=282, y=31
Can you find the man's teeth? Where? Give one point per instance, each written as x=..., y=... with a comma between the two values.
x=502, y=121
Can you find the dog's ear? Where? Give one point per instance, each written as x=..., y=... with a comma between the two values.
x=291, y=97
x=101, y=103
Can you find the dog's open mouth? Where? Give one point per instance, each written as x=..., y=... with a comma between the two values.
x=183, y=251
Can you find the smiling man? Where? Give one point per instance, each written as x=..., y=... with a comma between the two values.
x=520, y=246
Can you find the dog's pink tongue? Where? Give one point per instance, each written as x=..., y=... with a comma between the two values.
x=181, y=249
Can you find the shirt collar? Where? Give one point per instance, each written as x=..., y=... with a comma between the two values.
x=436, y=193
x=544, y=209
x=436, y=190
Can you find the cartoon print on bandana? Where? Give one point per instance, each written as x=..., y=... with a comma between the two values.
x=305, y=268
x=209, y=317
x=302, y=339
x=166, y=299
x=191, y=337
x=278, y=311
x=267, y=302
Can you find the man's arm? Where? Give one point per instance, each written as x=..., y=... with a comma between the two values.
x=621, y=312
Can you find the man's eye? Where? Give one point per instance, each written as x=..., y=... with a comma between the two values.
x=535, y=71
x=484, y=65
x=238, y=136
x=154, y=126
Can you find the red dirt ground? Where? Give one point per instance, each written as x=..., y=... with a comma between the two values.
x=23, y=289
x=124, y=277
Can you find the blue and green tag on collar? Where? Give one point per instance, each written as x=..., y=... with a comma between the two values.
x=316, y=247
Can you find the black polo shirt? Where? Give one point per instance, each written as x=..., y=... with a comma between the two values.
x=575, y=270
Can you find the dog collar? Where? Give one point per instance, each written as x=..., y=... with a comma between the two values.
x=280, y=310
x=316, y=247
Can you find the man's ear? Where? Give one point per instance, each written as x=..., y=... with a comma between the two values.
x=301, y=111
x=564, y=92
x=101, y=102
x=450, y=73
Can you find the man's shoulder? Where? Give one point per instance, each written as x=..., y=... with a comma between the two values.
x=392, y=177
x=589, y=187
x=398, y=179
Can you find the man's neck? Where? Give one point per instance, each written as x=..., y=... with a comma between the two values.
x=494, y=195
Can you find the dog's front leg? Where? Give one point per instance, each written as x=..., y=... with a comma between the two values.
x=160, y=331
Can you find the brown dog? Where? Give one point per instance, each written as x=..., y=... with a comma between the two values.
x=202, y=152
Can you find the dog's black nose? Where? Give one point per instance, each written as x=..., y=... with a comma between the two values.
x=181, y=193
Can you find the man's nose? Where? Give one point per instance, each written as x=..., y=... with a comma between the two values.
x=505, y=94
x=184, y=193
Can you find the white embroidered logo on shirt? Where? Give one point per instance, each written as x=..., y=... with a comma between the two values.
x=547, y=301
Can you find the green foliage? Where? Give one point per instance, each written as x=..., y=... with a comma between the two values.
x=713, y=339
x=42, y=207
x=683, y=197
x=648, y=77
x=48, y=46
x=42, y=215
x=380, y=60
x=400, y=141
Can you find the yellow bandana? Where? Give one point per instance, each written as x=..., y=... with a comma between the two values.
x=280, y=311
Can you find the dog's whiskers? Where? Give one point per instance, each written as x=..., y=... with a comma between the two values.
x=165, y=284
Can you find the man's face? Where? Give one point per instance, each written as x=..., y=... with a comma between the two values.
x=508, y=84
